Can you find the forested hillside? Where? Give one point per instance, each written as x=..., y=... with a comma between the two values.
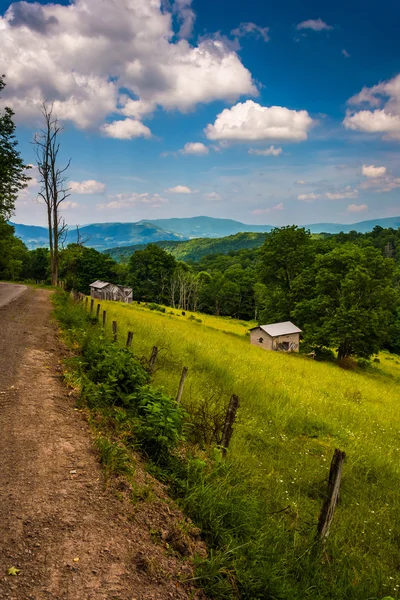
x=196, y=249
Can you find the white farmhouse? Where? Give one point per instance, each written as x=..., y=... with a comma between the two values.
x=276, y=336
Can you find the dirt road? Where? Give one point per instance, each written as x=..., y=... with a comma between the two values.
x=10, y=291
x=69, y=536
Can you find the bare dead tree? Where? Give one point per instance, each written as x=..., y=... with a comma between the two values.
x=81, y=240
x=53, y=182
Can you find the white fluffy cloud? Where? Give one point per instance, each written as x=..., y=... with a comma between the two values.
x=314, y=24
x=186, y=17
x=265, y=211
x=83, y=55
x=196, y=148
x=125, y=129
x=355, y=208
x=212, y=196
x=249, y=121
x=309, y=197
x=378, y=179
x=385, y=118
x=251, y=29
x=373, y=171
x=347, y=192
x=180, y=189
x=68, y=204
x=132, y=199
x=271, y=151
x=90, y=186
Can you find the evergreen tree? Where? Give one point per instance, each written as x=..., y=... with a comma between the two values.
x=12, y=167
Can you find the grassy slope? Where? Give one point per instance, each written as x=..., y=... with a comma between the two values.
x=293, y=413
x=197, y=248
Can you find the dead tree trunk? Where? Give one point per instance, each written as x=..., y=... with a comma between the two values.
x=181, y=384
x=332, y=495
x=229, y=421
x=52, y=180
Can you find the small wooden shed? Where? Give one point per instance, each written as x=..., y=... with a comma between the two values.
x=103, y=290
x=284, y=337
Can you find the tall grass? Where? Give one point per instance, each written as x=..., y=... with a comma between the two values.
x=259, y=509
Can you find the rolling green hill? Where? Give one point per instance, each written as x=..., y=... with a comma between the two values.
x=196, y=249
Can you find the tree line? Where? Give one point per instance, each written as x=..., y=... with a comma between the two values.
x=342, y=290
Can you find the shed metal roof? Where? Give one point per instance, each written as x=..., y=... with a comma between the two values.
x=277, y=329
x=99, y=284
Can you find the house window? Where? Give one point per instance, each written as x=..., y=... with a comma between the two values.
x=285, y=345
x=261, y=340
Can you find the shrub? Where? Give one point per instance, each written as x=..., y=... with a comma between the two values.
x=322, y=353
x=157, y=307
x=159, y=424
x=363, y=363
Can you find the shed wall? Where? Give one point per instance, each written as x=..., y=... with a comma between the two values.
x=269, y=343
x=257, y=335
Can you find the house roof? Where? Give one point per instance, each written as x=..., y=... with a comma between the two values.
x=277, y=329
x=99, y=284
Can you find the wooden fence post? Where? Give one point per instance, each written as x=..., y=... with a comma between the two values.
x=91, y=306
x=181, y=384
x=114, y=330
x=98, y=311
x=229, y=421
x=129, y=339
x=104, y=318
x=86, y=302
x=153, y=359
x=332, y=495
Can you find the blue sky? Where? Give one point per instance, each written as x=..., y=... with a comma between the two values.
x=278, y=114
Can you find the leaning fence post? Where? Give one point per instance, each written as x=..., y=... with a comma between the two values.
x=332, y=495
x=181, y=384
x=98, y=311
x=229, y=421
x=153, y=359
x=91, y=306
x=104, y=318
x=114, y=330
x=129, y=339
x=86, y=302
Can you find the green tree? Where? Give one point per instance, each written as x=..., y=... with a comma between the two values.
x=14, y=255
x=284, y=255
x=12, y=167
x=151, y=271
x=349, y=300
x=80, y=266
x=39, y=264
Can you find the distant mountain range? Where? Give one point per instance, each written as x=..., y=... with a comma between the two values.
x=104, y=236
x=100, y=236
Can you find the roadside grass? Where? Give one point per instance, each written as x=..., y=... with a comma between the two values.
x=258, y=510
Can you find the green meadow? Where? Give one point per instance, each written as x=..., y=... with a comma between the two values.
x=259, y=509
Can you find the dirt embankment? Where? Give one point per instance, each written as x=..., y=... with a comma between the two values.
x=69, y=535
